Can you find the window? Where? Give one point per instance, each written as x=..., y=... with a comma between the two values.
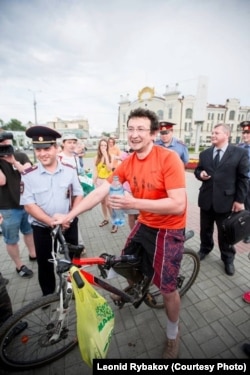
x=160, y=114
x=170, y=113
x=231, y=115
x=189, y=113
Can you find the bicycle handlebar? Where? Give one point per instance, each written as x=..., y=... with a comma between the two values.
x=63, y=265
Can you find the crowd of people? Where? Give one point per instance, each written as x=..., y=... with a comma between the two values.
x=34, y=198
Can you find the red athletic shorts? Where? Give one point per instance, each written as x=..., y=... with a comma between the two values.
x=161, y=251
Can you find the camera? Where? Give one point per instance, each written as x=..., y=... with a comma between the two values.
x=5, y=135
x=6, y=150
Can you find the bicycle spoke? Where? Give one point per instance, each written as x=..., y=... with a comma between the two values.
x=33, y=346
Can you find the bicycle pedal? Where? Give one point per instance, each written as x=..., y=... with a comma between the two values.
x=150, y=299
x=180, y=280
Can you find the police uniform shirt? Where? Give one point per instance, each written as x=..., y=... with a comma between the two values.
x=247, y=147
x=50, y=191
x=176, y=146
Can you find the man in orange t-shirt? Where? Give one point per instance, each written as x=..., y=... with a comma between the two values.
x=157, y=180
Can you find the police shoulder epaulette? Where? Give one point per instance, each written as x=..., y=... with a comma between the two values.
x=68, y=165
x=30, y=169
x=181, y=142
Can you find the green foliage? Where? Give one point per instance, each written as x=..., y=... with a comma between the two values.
x=14, y=125
x=104, y=134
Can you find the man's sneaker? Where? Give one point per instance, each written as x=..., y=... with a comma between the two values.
x=171, y=350
x=32, y=259
x=25, y=272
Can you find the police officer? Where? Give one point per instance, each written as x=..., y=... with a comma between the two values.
x=48, y=188
x=169, y=141
x=245, y=125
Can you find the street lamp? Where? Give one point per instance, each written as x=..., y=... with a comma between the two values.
x=34, y=104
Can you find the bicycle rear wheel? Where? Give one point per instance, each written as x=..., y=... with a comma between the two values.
x=25, y=337
x=190, y=266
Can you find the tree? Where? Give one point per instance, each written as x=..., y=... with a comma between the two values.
x=104, y=134
x=14, y=125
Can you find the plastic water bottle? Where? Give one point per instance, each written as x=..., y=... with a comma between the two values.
x=117, y=216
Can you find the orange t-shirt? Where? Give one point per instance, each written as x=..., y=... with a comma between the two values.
x=150, y=178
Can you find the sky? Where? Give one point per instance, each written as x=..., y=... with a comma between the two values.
x=75, y=58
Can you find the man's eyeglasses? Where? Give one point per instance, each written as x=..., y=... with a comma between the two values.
x=163, y=132
x=138, y=130
x=246, y=132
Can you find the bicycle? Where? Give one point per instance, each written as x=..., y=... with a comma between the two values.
x=45, y=329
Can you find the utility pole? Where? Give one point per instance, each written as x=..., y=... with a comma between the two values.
x=34, y=104
x=35, y=113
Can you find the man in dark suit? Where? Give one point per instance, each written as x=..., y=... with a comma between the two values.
x=223, y=170
x=245, y=125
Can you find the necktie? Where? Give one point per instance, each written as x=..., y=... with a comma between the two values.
x=217, y=158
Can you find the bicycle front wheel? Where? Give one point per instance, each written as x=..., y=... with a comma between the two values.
x=190, y=266
x=29, y=338
x=189, y=269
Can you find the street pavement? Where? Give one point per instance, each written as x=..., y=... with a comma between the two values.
x=214, y=320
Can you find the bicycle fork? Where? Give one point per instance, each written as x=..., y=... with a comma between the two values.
x=63, y=310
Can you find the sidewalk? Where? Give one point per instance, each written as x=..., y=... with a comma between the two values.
x=214, y=319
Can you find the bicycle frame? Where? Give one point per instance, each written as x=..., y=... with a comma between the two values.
x=45, y=329
x=82, y=263
x=85, y=262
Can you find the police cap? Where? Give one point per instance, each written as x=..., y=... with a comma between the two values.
x=166, y=124
x=165, y=127
x=42, y=136
x=245, y=126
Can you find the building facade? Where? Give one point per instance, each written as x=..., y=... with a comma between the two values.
x=174, y=107
x=79, y=127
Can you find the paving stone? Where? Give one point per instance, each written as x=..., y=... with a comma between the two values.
x=214, y=320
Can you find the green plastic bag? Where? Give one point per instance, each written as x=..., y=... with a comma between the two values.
x=87, y=183
x=95, y=321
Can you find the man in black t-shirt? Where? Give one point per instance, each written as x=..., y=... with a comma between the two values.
x=14, y=215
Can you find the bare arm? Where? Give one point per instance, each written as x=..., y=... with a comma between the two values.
x=174, y=204
x=2, y=178
x=35, y=211
x=16, y=164
x=77, y=200
x=90, y=201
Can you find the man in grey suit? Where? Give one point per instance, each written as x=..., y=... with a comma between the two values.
x=223, y=170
